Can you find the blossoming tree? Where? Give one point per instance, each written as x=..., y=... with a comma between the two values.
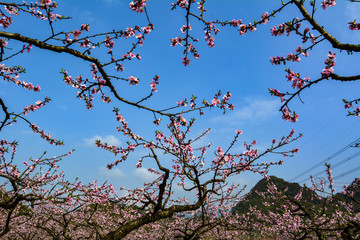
x=36, y=200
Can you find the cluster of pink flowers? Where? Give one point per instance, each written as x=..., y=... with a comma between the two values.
x=192, y=102
x=293, y=77
x=86, y=43
x=181, y=3
x=184, y=28
x=291, y=57
x=209, y=39
x=86, y=93
x=210, y=27
x=311, y=36
x=330, y=177
x=76, y=33
x=243, y=28
x=138, y=6
x=42, y=10
x=201, y=6
x=133, y=80
x=12, y=75
x=182, y=103
x=108, y=42
x=85, y=27
x=330, y=63
x=328, y=3
x=39, y=104
x=355, y=112
x=130, y=32
x=277, y=60
x=354, y=26
x=303, y=52
x=11, y=10
x=119, y=67
x=288, y=116
x=176, y=41
x=45, y=2
x=185, y=61
x=4, y=149
x=265, y=18
x=47, y=137
x=281, y=29
x=154, y=82
x=3, y=42
x=28, y=48
x=223, y=103
x=6, y=21
x=348, y=105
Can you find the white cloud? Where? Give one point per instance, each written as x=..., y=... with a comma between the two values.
x=113, y=174
x=27, y=132
x=62, y=107
x=144, y=174
x=256, y=110
x=109, y=139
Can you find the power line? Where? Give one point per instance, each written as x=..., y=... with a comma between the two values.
x=336, y=165
x=343, y=131
x=347, y=173
x=327, y=159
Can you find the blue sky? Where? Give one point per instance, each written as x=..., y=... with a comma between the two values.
x=237, y=63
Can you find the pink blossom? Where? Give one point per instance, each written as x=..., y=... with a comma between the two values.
x=119, y=67
x=85, y=27
x=45, y=2
x=265, y=17
x=354, y=26
x=11, y=10
x=293, y=58
x=298, y=49
x=6, y=21
x=281, y=29
x=154, y=82
x=184, y=28
x=108, y=42
x=133, y=80
x=76, y=33
x=138, y=5
x=348, y=105
x=182, y=103
x=185, y=61
x=328, y=3
x=330, y=62
x=85, y=43
x=209, y=39
x=277, y=60
x=288, y=116
x=176, y=41
x=3, y=42
x=146, y=29
x=129, y=32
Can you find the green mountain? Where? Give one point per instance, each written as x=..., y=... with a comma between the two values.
x=254, y=199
